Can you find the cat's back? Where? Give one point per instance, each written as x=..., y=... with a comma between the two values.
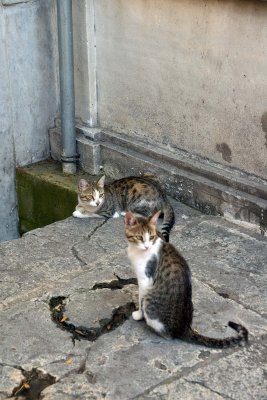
x=172, y=266
x=134, y=189
x=136, y=184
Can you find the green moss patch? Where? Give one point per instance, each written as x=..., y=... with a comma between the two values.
x=45, y=194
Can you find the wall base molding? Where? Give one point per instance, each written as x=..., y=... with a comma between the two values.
x=200, y=183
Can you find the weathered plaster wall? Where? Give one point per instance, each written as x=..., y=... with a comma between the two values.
x=30, y=41
x=8, y=211
x=28, y=94
x=186, y=74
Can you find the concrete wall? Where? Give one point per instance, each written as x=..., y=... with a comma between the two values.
x=8, y=211
x=184, y=74
x=28, y=94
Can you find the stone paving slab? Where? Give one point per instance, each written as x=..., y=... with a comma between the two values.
x=232, y=377
x=77, y=259
x=44, y=255
x=232, y=261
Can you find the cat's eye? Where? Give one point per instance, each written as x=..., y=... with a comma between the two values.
x=86, y=197
x=101, y=195
x=139, y=237
x=152, y=237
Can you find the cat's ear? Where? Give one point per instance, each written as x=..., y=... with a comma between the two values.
x=83, y=185
x=154, y=218
x=100, y=183
x=129, y=220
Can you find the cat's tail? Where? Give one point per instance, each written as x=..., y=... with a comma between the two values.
x=240, y=339
x=168, y=220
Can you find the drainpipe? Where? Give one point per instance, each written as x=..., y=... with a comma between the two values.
x=67, y=102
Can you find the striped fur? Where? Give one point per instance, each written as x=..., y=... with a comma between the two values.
x=164, y=283
x=141, y=195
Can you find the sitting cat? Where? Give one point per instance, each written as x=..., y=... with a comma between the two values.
x=164, y=282
x=141, y=195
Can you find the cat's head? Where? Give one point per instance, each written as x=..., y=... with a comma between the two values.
x=91, y=193
x=141, y=232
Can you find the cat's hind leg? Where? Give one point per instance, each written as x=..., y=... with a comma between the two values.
x=156, y=325
x=152, y=317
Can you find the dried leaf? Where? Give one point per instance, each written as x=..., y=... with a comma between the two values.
x=64, y=318
x=79, y=332
x=26, y=386
x=69, y=361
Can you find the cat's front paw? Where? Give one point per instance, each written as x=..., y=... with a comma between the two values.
x=78, y=214
x=116, y=215
x=137, y=315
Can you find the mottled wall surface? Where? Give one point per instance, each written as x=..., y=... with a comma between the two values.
x=8, y=211
x=186, y=74
x=30, y=40
x=28, y=94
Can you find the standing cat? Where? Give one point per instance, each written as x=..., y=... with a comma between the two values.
x=141, y=195
x=164, y=282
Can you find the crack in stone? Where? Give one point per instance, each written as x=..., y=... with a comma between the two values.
x=228, y=297
x=200, y=383
x=119, y=314
x=76, y=255
x=106, y=325
x=82, y=367
x=224, y=295
x=96, y=228
x=214, y=357
x=185, y=371
x=33, y=384
x=11, y=366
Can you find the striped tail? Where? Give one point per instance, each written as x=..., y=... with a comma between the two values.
x=168, y=220
x=240, y=339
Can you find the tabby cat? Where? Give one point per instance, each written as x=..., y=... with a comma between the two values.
x=141, y=195
x=164, y=282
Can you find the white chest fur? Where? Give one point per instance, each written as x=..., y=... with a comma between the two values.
x=139, y=259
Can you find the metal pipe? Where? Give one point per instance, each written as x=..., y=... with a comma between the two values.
x=66, y=74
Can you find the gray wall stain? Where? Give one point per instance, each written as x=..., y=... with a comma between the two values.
x=264, y=125
x=225, y=150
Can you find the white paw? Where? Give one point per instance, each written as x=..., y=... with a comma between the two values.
x=78, y=214
x=137, y=315
x=116, y=214
x=123, y=213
